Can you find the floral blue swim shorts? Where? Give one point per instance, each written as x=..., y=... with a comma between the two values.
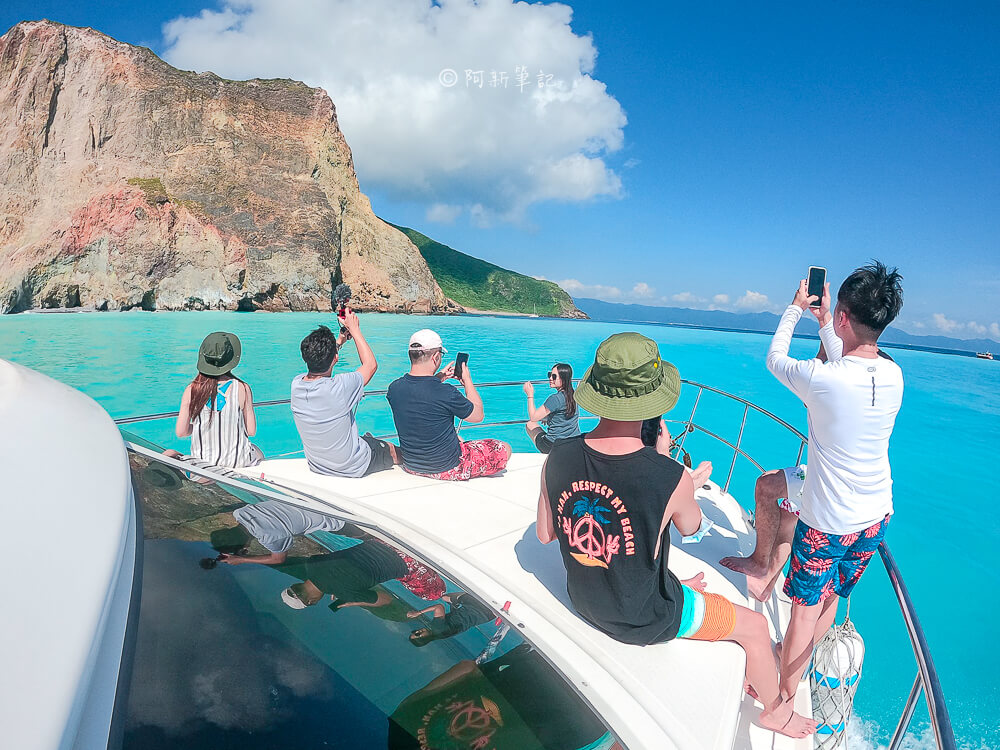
x=826, y=564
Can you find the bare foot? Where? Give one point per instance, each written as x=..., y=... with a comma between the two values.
x=760, y=588
x=748, y=689
x=795, y=725
x=745, y=565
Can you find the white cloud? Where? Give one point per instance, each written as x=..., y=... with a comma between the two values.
x=642, y=289
x=494, y=150
x=945, y=325
x=443, y=213
x=754, y=302
x=577, y=288
x=720, y=299
x=224, y=668
x=686, y=298
x=970, y=329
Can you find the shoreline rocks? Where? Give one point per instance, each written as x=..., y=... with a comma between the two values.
x=128, y=184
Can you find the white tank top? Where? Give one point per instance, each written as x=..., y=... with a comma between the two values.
x=219, y=435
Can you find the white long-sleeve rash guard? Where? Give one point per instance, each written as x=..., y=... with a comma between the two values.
x=852, y=403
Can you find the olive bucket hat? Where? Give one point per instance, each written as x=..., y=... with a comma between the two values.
x=628, y=380
x=219, y=353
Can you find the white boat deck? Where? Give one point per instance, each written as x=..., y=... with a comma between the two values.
x=682, y=694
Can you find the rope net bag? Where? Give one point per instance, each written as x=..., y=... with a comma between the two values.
x=834, y=677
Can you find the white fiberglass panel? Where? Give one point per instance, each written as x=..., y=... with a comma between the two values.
x=65, y=481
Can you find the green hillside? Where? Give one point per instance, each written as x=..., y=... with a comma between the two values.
x=480, y=285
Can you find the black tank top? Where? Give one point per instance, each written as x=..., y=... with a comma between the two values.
x=607, y=512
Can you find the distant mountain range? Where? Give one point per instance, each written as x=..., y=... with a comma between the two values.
x=762, y=322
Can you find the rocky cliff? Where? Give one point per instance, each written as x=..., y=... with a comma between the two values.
x=127, y=183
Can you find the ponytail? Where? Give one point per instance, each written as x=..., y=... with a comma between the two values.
x=204, y=389
x=565, y=373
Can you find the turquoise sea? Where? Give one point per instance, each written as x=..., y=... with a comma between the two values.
x=943, y=452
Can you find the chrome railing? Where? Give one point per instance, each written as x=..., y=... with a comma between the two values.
x=926, y=681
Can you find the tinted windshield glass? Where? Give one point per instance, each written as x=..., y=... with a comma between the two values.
x=267, y=625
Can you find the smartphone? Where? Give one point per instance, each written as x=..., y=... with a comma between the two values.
x=343, y=329
x=817, y=279
x=460, y=359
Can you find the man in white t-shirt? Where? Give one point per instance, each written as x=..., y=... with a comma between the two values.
x=846, y=502
x=323, y=406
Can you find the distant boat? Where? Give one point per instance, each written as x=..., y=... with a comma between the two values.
x=984, y=355
x=534, y=312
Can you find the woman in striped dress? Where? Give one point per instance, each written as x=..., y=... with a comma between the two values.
x=217, y=407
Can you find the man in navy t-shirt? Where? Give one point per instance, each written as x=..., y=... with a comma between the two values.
x=424, y=409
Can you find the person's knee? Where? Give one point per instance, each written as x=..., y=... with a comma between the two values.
x=756, y=625
x=508, y=449
x=750, y=627
x=805, y=615
x=772, y=485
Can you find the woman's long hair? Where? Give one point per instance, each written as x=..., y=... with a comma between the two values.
x=204, y=389
x=565, y=373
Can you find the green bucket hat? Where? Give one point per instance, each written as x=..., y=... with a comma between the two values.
x=219, y=353
x=628, y=380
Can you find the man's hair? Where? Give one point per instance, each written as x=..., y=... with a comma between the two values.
x=319, y=349
x=419, y=355
x=872, y=296
x=422, y=637
x=650, y=431
x=231, y=540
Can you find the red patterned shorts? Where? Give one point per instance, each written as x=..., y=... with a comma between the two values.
x=826, y=564
x=421, y=580
x=480, y=458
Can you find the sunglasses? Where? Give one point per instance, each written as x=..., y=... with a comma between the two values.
x=553, y=376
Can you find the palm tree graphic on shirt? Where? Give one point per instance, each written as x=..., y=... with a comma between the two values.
x=591, y=507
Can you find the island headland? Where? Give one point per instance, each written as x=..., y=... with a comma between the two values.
x=126, y=183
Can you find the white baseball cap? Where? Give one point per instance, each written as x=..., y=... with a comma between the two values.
x=426, y=339
x=291, y=600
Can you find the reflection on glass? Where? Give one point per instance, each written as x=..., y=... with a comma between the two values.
x=514, y=702
x=348, y=577
x=464, y=612
x=241, y=657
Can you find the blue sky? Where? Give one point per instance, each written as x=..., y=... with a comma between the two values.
x=697, y=155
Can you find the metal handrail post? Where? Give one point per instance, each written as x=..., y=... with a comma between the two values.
x=936, y=707
x=736, y=452
x=907, y=715
x=802, y=448
x=500, y=384
x=691, y=418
